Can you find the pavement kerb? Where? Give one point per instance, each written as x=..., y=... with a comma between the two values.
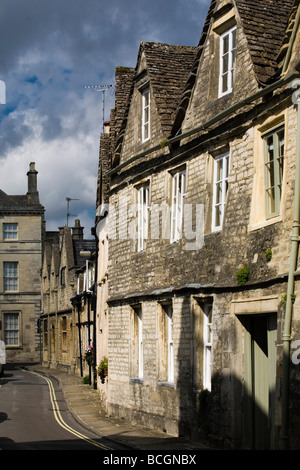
x=76, y=413
x=87, y=411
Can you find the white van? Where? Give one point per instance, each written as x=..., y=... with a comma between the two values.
x=2, y=357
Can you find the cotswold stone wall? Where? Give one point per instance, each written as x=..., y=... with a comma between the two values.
x=163, y=264
x=163, y=269
x=189, y=279
x=26, y=301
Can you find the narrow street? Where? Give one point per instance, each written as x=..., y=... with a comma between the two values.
x=34, y=416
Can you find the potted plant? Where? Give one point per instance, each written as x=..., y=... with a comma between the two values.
x=89, y=355
x=103, y=369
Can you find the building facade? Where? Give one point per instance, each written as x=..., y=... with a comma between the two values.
x=21, y=239
x=201, y=221
x=65, y=317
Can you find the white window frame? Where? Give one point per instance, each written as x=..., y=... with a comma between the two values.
x=170, y=343
x=274, y=168
x=140, y=343
x=137, y=351
x=11, y=276
x=207, y=345
x=220, y=186
x=10, y=231
x=230, y=54
x=146, y=114
x=12, y=329
x=177, y=204
x=143, y=215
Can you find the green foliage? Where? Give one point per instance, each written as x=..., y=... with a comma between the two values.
x=103, y=365
x=163, y=143
x=242, y=275
x=86, y=379
x=284, y=299
x=268, y=254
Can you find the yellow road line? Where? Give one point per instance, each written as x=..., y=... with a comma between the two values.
x=60, y=420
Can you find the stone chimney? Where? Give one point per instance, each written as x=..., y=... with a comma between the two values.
x=106, y=125
x=77, y=231
x=32, y=193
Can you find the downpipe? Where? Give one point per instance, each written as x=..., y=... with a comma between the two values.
x=286, y=338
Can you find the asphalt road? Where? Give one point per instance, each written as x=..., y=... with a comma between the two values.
x=34, y=416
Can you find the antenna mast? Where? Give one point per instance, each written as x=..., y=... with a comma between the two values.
x=68, y=199
x=103, y=89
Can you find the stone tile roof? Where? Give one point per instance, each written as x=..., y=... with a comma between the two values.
x=118, y=118
x=17, y=203
x=265, y=23
x=266, y=26
x=168, y=68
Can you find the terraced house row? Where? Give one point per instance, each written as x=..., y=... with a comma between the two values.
x=189, y=288
x=198, y=226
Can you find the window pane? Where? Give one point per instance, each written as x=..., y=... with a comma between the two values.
x=10, y=231
x=11, y=329
x=10, y=276
x=146, y=115
x=170, y=344
x=233, y=35
x=178, y=196
x=227, y=61
x=274, y=165
x=220, y=187
x=226, y=44
x=207, y=344
x=280, y=158
x=143, y=215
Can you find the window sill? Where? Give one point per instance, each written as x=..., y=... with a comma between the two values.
x=265, y=223
x=136, y=380
x=166, y=384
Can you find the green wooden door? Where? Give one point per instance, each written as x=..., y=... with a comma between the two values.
x=260, y=375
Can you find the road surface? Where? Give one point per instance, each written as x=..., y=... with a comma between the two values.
x=34, y=416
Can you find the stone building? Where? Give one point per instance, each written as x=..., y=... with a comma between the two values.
x=202, y=227
x=21, y=237
x=66, y=325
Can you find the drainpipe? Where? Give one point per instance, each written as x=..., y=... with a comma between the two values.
x=290, y=290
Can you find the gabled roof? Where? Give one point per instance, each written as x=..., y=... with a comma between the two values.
x=266, y=24
x=167, y=67
x=17, y=203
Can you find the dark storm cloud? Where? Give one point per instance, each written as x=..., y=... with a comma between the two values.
x=50, y=50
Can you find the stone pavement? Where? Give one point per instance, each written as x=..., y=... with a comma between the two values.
x=83, y=402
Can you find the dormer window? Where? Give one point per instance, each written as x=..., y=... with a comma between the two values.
x=227, y=61
x=145, y=115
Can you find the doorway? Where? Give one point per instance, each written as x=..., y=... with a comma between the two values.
x=260, y=379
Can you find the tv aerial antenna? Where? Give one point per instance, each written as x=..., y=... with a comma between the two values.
x=69, y=199
x=103, y=89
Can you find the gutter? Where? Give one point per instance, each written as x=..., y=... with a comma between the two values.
x=259, y=94
x=295, y=239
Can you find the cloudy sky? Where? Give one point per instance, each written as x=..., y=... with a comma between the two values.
x=50, y=51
